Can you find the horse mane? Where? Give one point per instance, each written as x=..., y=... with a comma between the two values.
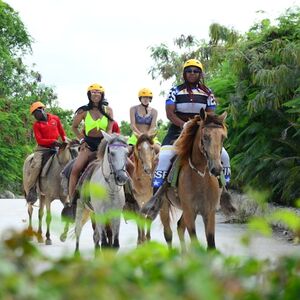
x=184, y=143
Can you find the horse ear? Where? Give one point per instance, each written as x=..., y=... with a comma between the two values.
x=202, y=114
x=106, y=136
x=223, y=116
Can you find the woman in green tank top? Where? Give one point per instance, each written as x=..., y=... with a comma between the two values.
x=96, y=117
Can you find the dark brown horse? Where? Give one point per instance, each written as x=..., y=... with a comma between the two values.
x=199, y=150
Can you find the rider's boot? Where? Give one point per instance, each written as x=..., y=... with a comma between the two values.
x=69, y=210
x=152, y=207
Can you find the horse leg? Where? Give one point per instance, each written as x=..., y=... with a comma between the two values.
x=115, y=229
x=189, y=219
x=148, y=229
x=79, y=222
x=48, y=221
x=181, y=230
x=30, y=211
x=165, y=219
x=41, y=214
x=63, y=236
x=96, y=235
x=209, y=223
x=139, y=239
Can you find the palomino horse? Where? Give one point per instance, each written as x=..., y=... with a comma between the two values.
x=199, y=150
x=50, y=188
x=109, y=172
x=144, y=165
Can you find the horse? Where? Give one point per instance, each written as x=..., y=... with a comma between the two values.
x=198, y=192
x=107, y=171
x=144, y=165
x=49, y=186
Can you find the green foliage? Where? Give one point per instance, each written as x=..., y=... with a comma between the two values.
x=256, y=78
x=151, y=271
x=125, y=128
x=19, y=87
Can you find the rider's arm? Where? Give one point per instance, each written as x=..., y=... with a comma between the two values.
x=132, y=121
x=61, y=130
x=39, y=135
x=110, y=123
x=170, y=111
x=211, y=103
x=152, y=128
x=76, y=122
x=171, y=107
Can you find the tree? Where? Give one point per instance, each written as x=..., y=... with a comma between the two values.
x=256, y=78
x=19, y=87
x=125, y=128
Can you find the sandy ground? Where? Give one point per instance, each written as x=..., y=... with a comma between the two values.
x=13, y=216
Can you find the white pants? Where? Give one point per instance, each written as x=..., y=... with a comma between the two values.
x=166, y=155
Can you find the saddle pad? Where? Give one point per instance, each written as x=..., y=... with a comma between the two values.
x=47, y=166
x=174, y=172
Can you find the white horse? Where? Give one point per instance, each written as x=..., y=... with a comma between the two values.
x=109, y=172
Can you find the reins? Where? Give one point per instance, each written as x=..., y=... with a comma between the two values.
x=112, y=171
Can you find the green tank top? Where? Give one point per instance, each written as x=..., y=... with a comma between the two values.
x=90, y=123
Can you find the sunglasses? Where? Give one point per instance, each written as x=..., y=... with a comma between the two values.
x=96, y=92
x=190, y=70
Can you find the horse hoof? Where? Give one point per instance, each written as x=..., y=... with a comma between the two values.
x=63, y=237
x=40, y=239
x=48, y=242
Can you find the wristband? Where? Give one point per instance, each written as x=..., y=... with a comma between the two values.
x=81, y=141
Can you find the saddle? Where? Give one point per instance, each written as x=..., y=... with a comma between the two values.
x=173, y=173
x=47, y=160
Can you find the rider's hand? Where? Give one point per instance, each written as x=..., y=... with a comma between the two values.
x=56, y=144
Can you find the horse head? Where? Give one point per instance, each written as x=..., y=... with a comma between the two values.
x=117, y=154
x=144, y=152
x=67, y=150
x=212, y=134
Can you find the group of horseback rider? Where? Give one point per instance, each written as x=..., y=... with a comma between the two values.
x=183, y=102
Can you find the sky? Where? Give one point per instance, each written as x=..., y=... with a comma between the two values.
x=78, y=43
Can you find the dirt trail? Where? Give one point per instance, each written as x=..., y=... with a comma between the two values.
x=13, y=215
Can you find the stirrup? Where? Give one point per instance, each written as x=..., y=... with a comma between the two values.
x=152, y=207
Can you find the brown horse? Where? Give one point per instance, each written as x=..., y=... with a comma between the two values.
x=50, y=187
x=144, y=165
x=199, y=150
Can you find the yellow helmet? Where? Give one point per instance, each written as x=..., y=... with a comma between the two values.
x=145, y=93
x=34, y=106
x=193, y=63
x=97, y=87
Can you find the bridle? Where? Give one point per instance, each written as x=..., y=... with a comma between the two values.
x=114, y=172
x=204, y=152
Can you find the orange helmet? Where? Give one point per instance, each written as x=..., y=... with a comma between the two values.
x=35, y=106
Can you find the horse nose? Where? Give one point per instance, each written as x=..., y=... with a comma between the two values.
x=122, y=177
x=216, y=171
x=148, y=170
